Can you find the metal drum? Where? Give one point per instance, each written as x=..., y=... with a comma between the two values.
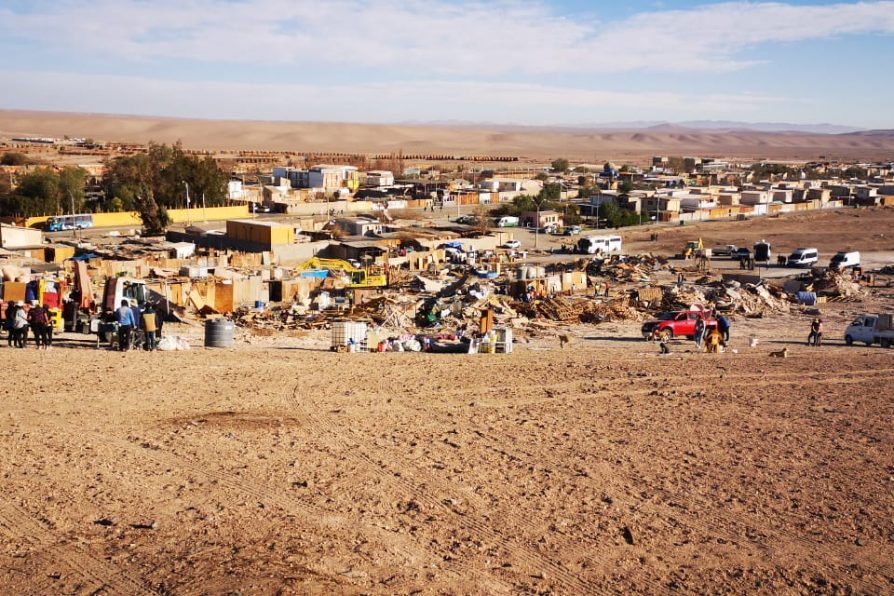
x=219, y=333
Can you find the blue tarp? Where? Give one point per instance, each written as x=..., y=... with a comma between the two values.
x=317, y=273
x=808, y=298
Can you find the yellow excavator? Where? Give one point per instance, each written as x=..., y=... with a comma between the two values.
x=693, y=248
x=360, y=277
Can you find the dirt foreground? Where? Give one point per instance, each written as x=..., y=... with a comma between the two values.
x=280, y=468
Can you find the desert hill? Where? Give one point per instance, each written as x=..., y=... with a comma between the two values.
x=526, y=142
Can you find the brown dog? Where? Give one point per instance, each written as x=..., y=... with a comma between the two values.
x=783, y=353
x=564, y=339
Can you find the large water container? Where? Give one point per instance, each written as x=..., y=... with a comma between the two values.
x=522, y=273
x=219, y=333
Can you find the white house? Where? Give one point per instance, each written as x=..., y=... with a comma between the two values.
x=379, y=178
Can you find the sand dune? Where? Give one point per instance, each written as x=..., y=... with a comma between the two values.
x=525, y=142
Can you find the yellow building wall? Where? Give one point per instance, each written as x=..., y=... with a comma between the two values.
x=131, y=218
x=282, y=235
x=210, y=214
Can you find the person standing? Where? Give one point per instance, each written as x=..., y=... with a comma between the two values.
x=38, y=321
x=699, y=332
x=48, y=329
x=816, y=332
x=149, y=327
x=9, y=322
x=20, y=325
x=723, y=325
x=126, y=324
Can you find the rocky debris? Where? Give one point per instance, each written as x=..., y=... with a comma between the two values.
x=833, y=284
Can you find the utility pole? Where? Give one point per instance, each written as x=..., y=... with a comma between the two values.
x=204, y=213
x=188, y=218
x=537, y=226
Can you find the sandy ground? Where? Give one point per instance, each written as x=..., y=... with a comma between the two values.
x=530, y=142
x=278, y=467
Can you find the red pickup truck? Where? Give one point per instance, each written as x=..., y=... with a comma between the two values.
x=677, y=324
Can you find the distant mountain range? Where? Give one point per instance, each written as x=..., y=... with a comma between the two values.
x=730, y=125
x=657, y=126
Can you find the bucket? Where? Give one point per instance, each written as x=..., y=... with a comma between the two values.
x=219, y=333
x=259, y=304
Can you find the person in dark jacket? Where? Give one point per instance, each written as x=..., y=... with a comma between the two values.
x=9, y=322
x=723, y=325
x=38, y=321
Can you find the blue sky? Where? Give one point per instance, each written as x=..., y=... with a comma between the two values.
x=565, y=62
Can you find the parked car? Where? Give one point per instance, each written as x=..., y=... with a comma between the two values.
x=511, y=244
x=870, y=329
x=725, y=251
x=843, y=260
x=803, y=257
x=571, y=230
x=677, y=324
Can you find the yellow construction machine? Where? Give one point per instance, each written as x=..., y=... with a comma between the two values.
x=360, y=277
x=693, y=248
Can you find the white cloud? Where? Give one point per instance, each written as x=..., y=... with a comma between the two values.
x=467, y=38
x=386, y=102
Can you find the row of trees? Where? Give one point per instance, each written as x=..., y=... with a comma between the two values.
x=149, y=183
x=43, y=191
x=153, y=182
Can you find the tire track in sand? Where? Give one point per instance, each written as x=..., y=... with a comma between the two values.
x=103, y=577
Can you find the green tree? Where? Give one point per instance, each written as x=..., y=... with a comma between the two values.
x=551, y=192
x=609, y=211
x=72, y=182
x=155, y=218
x=625, y=187
x=14, y=159
x=559, y=165
x=40, y=191
x=572, y=217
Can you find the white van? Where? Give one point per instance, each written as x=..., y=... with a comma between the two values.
x=843, y=260
x=599, y=245
x=803, y=257
x=507, y=221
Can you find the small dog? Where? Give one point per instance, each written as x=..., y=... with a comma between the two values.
x=783, y=353
x=752, y=343
x=564, y=339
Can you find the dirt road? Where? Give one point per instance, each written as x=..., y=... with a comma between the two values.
x=277, y=468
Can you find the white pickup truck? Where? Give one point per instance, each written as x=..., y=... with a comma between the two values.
x=870, y=329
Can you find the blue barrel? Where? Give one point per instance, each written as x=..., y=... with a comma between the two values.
x=219, y=333
x=259, y=304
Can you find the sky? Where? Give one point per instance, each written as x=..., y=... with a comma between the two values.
x=540, y=63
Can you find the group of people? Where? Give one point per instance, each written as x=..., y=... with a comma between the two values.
x=132, y=318
x=707, y=339
x=21, y=317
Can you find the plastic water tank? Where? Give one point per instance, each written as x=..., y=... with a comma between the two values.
x=219, y=333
